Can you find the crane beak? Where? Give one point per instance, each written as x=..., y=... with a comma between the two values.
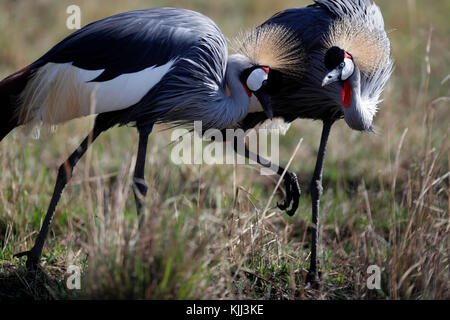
x=264, y=99
x=331, y=77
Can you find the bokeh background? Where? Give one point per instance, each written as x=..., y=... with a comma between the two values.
x=205, y=235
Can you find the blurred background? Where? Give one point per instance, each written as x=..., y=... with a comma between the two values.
x=386, y=199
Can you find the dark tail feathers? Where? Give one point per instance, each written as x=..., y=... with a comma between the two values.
x=10, y=89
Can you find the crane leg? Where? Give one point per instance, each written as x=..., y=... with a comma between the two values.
x=293, y=191
x=316, y=192
x=140, y=187
x=64, y=175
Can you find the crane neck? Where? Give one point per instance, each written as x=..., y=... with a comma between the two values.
x=357, y=115
x=235, y=96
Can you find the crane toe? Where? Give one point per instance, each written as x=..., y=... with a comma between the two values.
x=293, y=193
x=32, y=259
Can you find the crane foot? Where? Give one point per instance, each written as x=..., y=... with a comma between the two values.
x=32, y=263
x=312, y=280
x=293, y=193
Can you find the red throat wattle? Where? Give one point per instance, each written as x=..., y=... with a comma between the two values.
x=346, y=94
x=247, y=90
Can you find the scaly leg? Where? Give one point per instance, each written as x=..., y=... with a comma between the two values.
x=64, y=175
x=316, y=192
x=140, y=187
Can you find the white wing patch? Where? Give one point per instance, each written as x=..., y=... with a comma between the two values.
x=61, y=92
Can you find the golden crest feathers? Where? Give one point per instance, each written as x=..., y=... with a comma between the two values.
x=274, y=46
x=370, y=48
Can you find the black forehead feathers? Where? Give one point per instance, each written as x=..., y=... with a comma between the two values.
x=334, y=57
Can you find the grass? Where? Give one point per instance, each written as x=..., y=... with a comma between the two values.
x=204, y=234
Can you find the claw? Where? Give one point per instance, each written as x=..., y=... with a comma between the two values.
x=292, y=194
x=32, y=261
x=21, y=254
x=313, y=280
x=291, y=212
x=282, y=206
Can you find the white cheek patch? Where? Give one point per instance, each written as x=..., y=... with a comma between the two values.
x=348, y=70
x=256, y=78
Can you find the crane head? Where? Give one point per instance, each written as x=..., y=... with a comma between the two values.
x=341, y=66
x=256, y=81
x=358, y=113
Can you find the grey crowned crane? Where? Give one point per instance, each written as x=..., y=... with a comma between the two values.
x=162, y=65
x=348, y=62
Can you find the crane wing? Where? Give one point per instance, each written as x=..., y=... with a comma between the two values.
x=129, y=42
x=363, y=10
x=112, y=64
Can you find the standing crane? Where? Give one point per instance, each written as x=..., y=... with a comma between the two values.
x=348, y=62
x=161, y=65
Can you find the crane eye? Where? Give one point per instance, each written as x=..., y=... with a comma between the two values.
x=342, y=65
x=257, y=79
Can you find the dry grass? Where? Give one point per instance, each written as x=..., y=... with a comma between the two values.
x=203, y=234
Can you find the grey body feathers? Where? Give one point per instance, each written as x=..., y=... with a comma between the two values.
x=193, y=88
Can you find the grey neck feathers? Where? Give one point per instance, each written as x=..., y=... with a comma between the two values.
x=356, y=115
x=211, y=104
x=234, y=107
